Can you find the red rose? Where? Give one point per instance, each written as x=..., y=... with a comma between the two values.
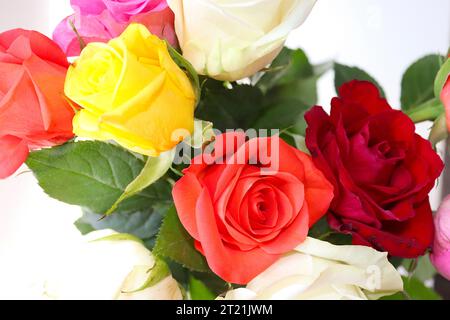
x=243, y=216
x=33, y=110
x=381, y=169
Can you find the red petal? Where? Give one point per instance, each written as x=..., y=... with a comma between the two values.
x=408, y=239
x=35, y=42
x=230, y=264
x=185, y=195
x=13, y=153
x=316, y=187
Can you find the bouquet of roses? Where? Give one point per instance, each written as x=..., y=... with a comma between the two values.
x=190, y=138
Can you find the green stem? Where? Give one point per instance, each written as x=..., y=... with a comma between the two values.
x=429, y=111
x=80, y=39
x=177, y=172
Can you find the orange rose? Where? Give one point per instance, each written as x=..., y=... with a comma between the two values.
x=243, y=216
x=33, y=110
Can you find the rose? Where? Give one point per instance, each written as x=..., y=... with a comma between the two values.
x=381, y=170
x=121, y=10
x=445, y=98
x=244, y=209
x=440, y=256
x=231, y=41
x=106, y=265
x=131, y=91
x=101, y=21
x=91, y=28
x=318, y=270
x=33, y=111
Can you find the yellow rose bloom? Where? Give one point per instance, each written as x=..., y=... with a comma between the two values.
x=131, y=91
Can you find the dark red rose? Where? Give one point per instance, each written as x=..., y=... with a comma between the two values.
x=381, y=169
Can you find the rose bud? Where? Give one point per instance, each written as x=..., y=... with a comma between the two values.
x=440, y=256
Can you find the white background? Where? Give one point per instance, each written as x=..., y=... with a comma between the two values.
x=381, y=36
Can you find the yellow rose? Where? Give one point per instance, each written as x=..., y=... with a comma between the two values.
x=131, y=91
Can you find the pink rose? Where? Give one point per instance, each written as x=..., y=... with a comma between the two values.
x=92, y=28
x=121, y=10
x=441, y=247
x=445, y=98
x=102, y=20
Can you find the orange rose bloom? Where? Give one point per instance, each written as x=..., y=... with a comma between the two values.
x=33, y=110
x=243, y=215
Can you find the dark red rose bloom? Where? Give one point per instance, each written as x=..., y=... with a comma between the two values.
x=381, y=169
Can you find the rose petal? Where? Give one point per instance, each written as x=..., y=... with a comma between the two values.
x=245, y=266
x=13, y=153
x=290, y=237
x=316, y=187
x=185, y=195
x=407, y=239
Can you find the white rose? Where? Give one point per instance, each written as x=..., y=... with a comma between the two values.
x=103, y=267
x=234, y=39
x=322, y=271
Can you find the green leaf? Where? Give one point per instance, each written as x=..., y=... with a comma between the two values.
x=213, y=282
x=278, y=100
x=345, y=74
x=285, y=105
x=189, y=69
x=199, y=291
x=288, y=67
x=290, y=91
x=120, y=237
x=203, y=133
x=155, y=275
x=175, y=243
x=439, y=130
x=295, y=140
x=428, y=111
x=282, y=114
x=143, y=224
x=414, y=289
x=418, y=81
x=441, y=78
x=154, y=169
x=92, y=175
x=84, y=227
x=230, y=108
x=322, y=231
x=423, y=268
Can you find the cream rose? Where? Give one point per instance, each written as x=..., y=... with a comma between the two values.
x=234, y=39
x=106, y=266
x=318, y=270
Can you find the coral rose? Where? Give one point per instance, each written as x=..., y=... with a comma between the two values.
x=33, y=111
x=248, y=202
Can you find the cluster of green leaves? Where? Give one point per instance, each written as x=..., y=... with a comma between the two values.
x=421, y=90
x=276, y=99
x=95, y=175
